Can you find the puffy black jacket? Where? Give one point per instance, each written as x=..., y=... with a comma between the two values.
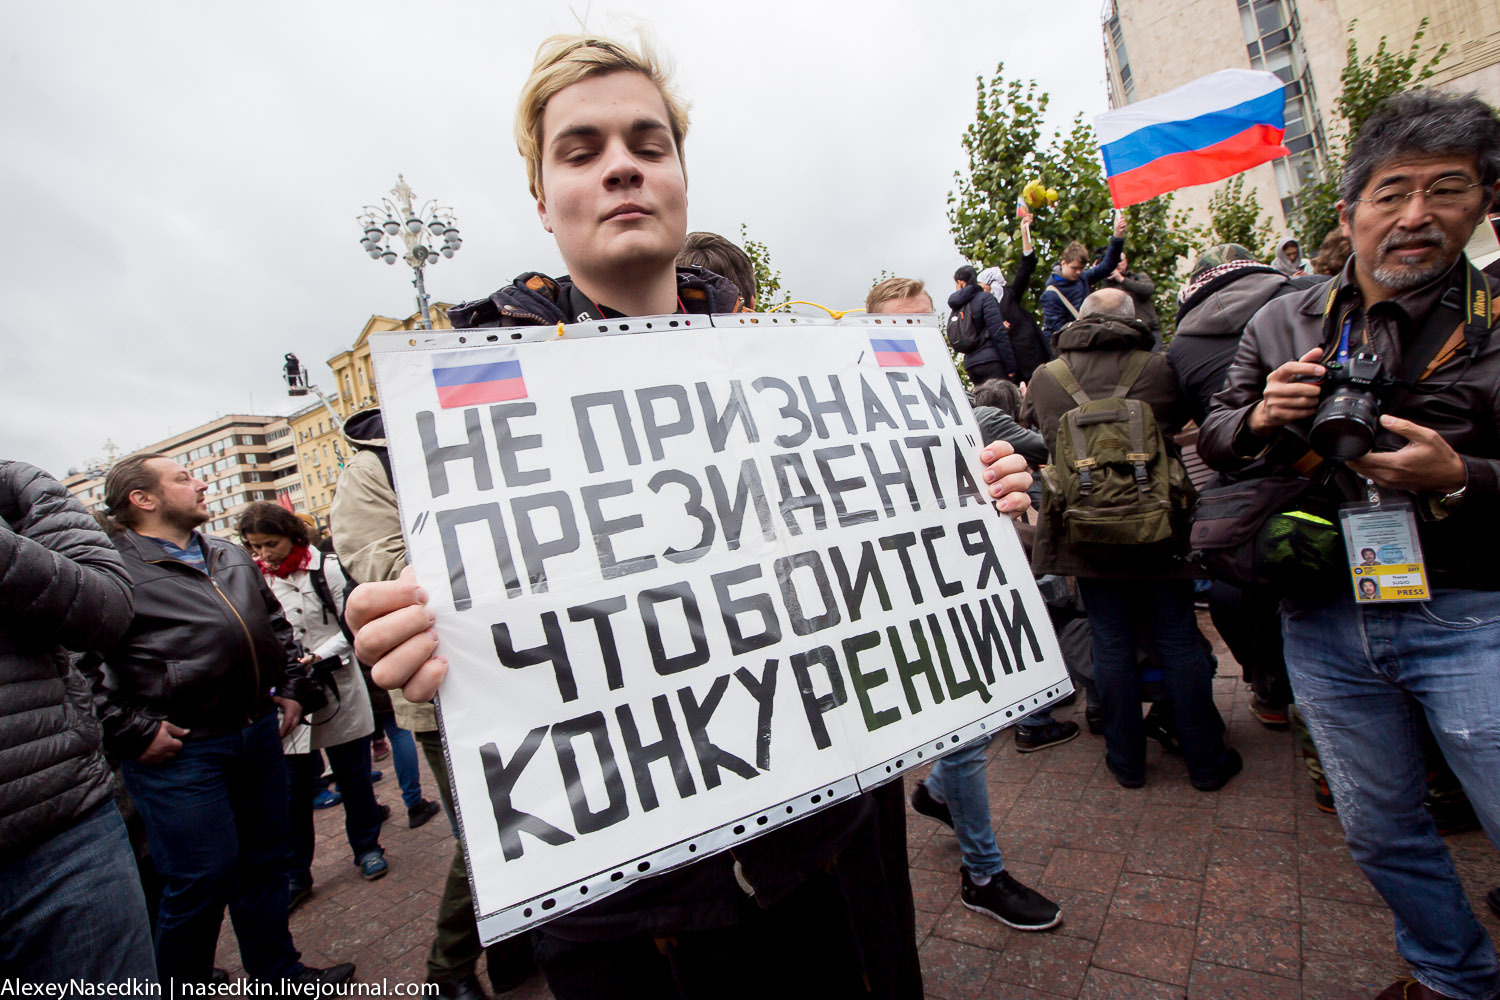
x=62, y=586
x=986, y=315
x=204, y=650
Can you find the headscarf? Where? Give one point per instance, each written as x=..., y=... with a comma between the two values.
x=995, y=278
x=1214, y=261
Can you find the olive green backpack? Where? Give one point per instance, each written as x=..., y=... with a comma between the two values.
x=1112, y=480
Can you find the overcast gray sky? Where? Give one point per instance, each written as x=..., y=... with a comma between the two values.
x=181, y=178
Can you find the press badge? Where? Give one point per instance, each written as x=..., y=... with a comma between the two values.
x=1385, y=557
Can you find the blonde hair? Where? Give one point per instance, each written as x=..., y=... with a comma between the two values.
x=892, y=289
x=564, y=60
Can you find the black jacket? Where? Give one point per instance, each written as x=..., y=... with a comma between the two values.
x=710, y=893
x=1140, y=289
x=204, y=650
x=986, y=315
x=534, y=299
x=1032, y=349
x=62, y=586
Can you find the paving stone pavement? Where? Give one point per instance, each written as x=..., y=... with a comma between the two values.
x=1167, y=892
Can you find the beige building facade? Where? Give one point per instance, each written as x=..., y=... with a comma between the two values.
x=1152, y=46
x=243, y=457
x=321, y=448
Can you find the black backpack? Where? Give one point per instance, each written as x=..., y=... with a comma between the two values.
x=964, y=335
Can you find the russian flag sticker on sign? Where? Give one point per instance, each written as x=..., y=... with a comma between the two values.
x=472, y=378
x=892, y=353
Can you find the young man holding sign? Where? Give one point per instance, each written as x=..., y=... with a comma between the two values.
x=812, y=902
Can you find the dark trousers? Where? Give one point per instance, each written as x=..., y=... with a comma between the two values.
x=986, y=371
x=1249, y=620
x=840, y=934
x=351, y=769
x=217, y=825
x=1165, y=608
x=455, y=947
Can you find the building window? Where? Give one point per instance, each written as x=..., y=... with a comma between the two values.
x=1273, y=42
x=1116, y=35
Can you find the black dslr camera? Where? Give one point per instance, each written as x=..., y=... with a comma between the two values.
x=1348, y=416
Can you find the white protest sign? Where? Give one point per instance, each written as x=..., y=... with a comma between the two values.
x=695, y=578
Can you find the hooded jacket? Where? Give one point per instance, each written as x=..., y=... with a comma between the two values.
x=1210, y=323
x=1283, y=263
x=985, y=312
x=708, y=894
x=1055, y=315
x=1097, y=349
x=62, y=586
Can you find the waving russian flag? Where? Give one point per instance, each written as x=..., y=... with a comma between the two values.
x=1204, y=131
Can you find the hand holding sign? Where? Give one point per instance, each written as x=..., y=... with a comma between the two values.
x=393, y=633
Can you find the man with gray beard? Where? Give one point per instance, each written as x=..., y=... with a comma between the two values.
x=1420, y=176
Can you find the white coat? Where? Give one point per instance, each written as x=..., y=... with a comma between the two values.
x=348, y=715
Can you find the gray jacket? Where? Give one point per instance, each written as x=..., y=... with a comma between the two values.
x=62, y=586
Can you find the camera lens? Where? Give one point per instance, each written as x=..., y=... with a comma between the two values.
x=1344, y=427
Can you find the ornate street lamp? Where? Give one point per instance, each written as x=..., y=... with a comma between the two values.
x=426, y=235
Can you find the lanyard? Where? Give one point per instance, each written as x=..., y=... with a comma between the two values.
x=1343, y=353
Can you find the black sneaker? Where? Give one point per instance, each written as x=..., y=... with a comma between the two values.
x=1010, y=902
x=1493, y=898
x=1095, y=718
x=420, y=813
x=1233, y=764
x=923, y=802
x=1031, y=739
x=341, y=973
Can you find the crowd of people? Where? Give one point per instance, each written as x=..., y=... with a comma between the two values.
x=203, y=685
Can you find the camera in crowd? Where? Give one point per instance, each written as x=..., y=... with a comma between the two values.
x=1348, y=416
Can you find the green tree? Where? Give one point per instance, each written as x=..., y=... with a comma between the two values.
x=1235, y=217
x=1005, y=150
x=1365, y=83
x=767, y=279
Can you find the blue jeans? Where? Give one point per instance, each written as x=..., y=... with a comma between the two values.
x=404, y=757
x=351, y=769
x=72, y=907
x=1361, y=676
x=1165, y=609
x=1036, y=720
x=217, y=825
x=958, y=781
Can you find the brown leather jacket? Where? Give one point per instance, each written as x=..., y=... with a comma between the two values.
x=1097, y=350
x=1461, y=401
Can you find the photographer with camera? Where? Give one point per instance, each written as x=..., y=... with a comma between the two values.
x=1380, y=390
x=310, y=587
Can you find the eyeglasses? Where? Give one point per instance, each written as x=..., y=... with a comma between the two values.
x=1445, y=194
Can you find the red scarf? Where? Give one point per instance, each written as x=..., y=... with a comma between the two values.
x=296, y=560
